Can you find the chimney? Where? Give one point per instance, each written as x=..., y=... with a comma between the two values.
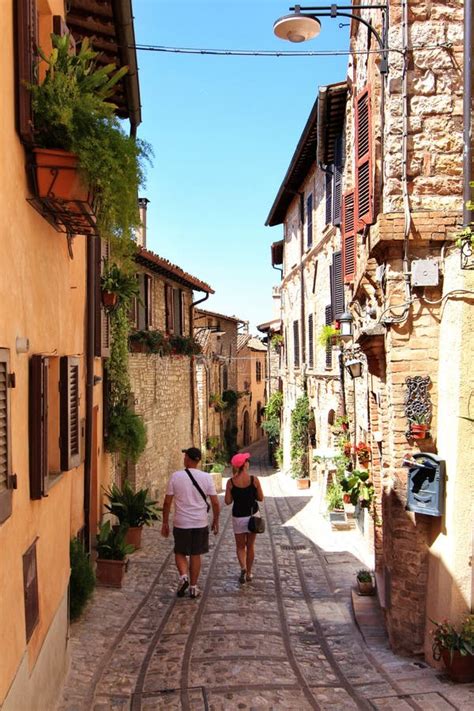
x=141, y=231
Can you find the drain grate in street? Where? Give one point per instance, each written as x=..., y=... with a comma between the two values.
x=298, y=547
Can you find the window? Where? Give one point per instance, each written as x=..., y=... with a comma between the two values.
x=310, y=341
x=225, y=378
x=328, y=320
x=333, y=180
x=258, y=371
x=30, y=590
x=26, y=21
x=363, y=194
x=337, y=285
x=348, y=237
x=144, y=308
x=174, y=301
x=296, y=344
x=6, y=479
x=54, y=423
x=329, y=198
x=309, y=221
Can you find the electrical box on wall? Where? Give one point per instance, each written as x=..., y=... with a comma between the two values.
x=424, y=272
x=425, y=491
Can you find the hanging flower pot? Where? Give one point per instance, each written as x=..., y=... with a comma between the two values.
x=109, y=299
x=57, y=175
x=418, y=431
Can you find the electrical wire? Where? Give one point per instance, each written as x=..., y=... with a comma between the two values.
x=453, y=292
x=273, y=53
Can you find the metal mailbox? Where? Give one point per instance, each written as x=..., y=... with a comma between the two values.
x=426, y=475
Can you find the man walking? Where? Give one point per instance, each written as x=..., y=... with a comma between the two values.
x=189, y=488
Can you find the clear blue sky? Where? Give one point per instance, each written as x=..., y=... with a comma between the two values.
x=223, y=130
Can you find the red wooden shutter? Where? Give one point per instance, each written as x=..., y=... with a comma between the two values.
x=70, y=432
x=26, y=21
x=348, y=237
x=5, y=445
x=148, y=301
x=102, y=320
x=38, y=425
x=364, y=191
x=169, y=308
x=337, y=286
x=30, y=590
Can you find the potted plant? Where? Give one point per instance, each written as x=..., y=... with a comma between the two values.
x=362, y=451
x=112, y=552
x=365, y=582
x=134, y=509
x=455, y=646
x=419, y=425
x=117, y=285
x=359, y=488
x=74, y=119
x=329, y=334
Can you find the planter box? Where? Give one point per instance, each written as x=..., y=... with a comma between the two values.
x=459, y=668
x=110, y=572
x=303, y=483
x=138, y=347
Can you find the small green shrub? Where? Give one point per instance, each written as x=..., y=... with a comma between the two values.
x=217, y=468
x=127, y=433
x=334, y=496
x=82, y=579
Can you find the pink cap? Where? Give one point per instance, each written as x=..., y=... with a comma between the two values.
x=238, y=460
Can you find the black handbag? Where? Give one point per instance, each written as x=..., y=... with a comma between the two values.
x=256, y=524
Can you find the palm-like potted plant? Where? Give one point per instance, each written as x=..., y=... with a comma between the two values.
x=419, y=425
x=134, y=509
x=455, y=646
x=117, y=285
x=112, y=551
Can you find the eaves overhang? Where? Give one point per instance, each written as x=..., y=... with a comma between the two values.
x=331, y=114
x=201, y=313
x=162, y=266
x=277, y=253
x=109, y=26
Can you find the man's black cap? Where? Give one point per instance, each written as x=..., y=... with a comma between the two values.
x=193, y=453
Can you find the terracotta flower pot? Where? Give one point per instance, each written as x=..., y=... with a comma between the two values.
x=346, y=498
x=110, y=572
x=418, y=431
x=303, y=483
x=57, y=175
x=459, y=668
x=365, y=588
x=134, y=536
x=109, y=299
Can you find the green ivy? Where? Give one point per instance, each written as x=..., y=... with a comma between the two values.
x=300, y=419
x=82, y=579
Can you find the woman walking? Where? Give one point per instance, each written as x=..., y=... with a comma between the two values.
x=244, y=491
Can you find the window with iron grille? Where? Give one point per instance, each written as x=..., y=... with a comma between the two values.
x=309, y=220
x=310, y=341
x=30, y=590
x=5, y=442
x=363, y=193
x=296, y=344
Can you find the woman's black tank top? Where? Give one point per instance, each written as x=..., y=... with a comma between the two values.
x=245, y=500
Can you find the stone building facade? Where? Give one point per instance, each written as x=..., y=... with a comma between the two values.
x=252, y=373
x=401, y=210
x=164, y=388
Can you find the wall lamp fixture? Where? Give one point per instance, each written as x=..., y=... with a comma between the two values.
x=304, y=24
x=354, y=366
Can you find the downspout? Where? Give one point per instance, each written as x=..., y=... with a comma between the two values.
x=90, y=333
x=467, y=112
x=303, y=329
x=191, y=369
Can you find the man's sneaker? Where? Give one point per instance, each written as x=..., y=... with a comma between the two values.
x=182, y=587
x=242, y=576
x=194, y=591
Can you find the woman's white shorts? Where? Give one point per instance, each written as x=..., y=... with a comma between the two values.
x=241, y=523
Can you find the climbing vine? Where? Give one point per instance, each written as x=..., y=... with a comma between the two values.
x=300, y=420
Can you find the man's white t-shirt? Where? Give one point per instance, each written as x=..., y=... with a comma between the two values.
x=190, y=510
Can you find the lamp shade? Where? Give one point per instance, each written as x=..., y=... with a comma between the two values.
x=354, y=367
x=297, y=28
x=345, y=326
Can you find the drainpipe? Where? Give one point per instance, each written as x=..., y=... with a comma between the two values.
x=303, y=329
x=467, y=112
x=191, y=369
x=90, y=333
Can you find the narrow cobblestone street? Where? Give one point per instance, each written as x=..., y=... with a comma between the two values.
x=287, y=640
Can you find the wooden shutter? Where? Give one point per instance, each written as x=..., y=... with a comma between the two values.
x=148, y=301
x=5, y=442
x=337, y=180
x=30, y=590
x=177, y=312
x=329, y=199
x=102, y=320
x=348, y=237
x=364, y=193
x=141, y=305
x=328, y=320
x=296, y=344
x=38, y=425
x=310, y=341
x=169, y=308
x=337, y=286
x=70, y=433
x=26, y=23
x=309, y=220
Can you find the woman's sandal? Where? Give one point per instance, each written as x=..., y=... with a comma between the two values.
x=243, y=575
x=249, y=577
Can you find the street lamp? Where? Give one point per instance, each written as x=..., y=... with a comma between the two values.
x=354, y=366
x=345, y=326
x=301, y=26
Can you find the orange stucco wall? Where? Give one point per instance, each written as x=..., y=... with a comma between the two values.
x=42, y=298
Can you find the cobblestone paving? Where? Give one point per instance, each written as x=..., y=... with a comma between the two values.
x=284, y=641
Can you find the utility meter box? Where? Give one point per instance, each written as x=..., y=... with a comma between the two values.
x=426, y=475
x=424, y=272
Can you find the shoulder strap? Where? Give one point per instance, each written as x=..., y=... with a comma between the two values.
x=198, y=487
